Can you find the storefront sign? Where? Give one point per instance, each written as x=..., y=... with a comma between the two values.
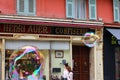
x=18, y=28
x=39, y=29
x=69, y=31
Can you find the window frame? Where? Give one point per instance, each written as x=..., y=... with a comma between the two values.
x=26, y=8
x=92, y=6
x=75, y=10
x=80, y=11
x=116, y=10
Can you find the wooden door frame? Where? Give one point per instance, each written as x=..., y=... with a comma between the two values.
x=82, y=70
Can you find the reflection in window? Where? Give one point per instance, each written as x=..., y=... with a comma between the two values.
x=117, y=63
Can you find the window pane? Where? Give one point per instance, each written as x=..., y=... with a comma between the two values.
x=116, y=3
x=116, y=13
x=80, y=6
x=21, y=5
x=69, y=9
x=31, y=6
x=69, y=0
x=92, y=11
x=92, y=1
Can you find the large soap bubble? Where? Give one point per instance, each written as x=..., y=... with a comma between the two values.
x=26, y=64
x=90, y=39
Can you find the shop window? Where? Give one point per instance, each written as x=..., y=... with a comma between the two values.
x=117, y=63
x=26, y=7
x=77, y=9
x=24, y=63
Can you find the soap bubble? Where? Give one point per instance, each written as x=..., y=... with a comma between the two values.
x=90, y=39
x=26, y=63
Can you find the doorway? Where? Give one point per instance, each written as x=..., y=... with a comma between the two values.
x=81, y=62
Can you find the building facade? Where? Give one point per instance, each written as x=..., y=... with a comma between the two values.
x=111, y=41
x=55, y=32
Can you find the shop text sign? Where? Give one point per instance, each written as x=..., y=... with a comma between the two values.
x=68, y=31
x=18, y=28
x=39, y=29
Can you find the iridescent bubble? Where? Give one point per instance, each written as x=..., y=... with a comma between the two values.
x=26, y=63
x=90, y=39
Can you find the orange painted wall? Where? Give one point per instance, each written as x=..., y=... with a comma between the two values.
x=45, y=8
x=57, y=9
x=51, y=8
x=105, y=10
x=7, y=7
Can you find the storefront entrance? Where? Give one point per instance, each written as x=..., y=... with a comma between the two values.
x=24, y=58
x=81, y=62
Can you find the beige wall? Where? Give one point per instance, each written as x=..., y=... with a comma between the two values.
x=46, y=63
x=3, y=58
x=99, y=62
x=57, y=62
x=96, y=63
x=92, y=64
x=0, y=59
